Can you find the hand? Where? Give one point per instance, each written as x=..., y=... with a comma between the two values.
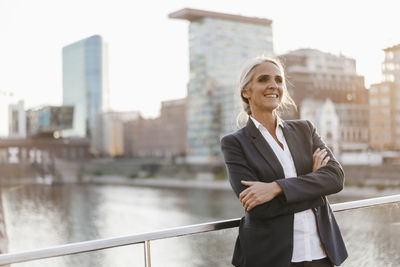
x=320, y=159
x=258, y=193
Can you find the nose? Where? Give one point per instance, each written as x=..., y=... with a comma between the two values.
x=273, y=85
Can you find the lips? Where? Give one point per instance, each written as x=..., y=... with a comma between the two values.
x=271, y=95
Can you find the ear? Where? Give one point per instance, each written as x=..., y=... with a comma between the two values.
x=245, y=94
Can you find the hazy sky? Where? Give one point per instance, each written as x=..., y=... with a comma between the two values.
x=148, y=53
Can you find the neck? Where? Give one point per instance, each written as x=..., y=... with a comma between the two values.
x=267, y=119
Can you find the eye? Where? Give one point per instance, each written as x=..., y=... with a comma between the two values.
x=263, y=78
x=278, y=79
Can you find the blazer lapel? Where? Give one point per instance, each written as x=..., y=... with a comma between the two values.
x=294, y=145
x=265, y=150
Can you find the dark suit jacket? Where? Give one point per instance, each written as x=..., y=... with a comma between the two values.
x=266, y=232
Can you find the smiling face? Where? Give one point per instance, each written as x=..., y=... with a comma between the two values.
x=265, y=90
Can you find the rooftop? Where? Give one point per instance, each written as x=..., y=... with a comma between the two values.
x=391, y=48
x=196, y=14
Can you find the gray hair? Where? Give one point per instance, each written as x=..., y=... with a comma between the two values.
x=247, y=74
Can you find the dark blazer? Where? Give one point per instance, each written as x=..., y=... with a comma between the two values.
x=266, y=232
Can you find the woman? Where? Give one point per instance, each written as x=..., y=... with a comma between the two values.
x=281, y=172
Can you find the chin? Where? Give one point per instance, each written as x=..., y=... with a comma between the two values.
x=270, y=109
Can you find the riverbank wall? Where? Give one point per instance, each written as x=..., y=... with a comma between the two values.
x=382, y=176
x=385, y=175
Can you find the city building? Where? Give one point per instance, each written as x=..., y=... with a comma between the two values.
x=173, y=116
x=85, y=83
x=323, y=115
x=219, y=44
x=49, y=120
x=384, y=117
x=391, y=65
x=385, y=104
x=164, y=136
x=35, y=135
x=17, y=120
x=353, y=127
x=143, y=138
x=6, y=99
x=319, y=75
x=108, y=137
x=344, y=127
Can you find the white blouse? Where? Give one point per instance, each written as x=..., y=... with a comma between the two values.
x=306, y=243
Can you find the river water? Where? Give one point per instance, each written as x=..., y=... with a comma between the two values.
x=39, y=216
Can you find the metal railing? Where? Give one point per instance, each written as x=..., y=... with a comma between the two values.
x=99, y=244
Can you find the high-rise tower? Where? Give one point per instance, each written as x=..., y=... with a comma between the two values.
x=219, y=44
x=85, y=83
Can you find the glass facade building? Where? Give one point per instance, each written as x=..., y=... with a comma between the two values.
x=49, y=119
x=85, y=83
x=219, y=44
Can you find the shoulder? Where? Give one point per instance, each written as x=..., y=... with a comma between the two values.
x=240, y=138
x=300, y=124
x=239, y=134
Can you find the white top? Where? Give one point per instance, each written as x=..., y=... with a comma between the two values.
x=306, y=243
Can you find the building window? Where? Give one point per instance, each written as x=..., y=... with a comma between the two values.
x=388, y=78
x=385, y=89
x=385, y=100
x=373, y=101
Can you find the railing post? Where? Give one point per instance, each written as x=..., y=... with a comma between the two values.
x=147, y=256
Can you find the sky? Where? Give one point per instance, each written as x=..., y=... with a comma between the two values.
x=148, y=52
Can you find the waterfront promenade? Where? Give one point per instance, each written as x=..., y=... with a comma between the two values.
x=165, y=182
x=353, y=191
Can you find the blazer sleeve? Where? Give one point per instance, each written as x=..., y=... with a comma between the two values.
x=238, y=169
x=325, y=181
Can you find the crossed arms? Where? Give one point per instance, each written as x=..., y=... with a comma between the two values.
x=283, y=196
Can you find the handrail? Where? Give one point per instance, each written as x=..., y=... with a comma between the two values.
x=99, y=244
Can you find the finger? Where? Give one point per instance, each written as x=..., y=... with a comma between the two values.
x=318, y=150
x=318, y=160
x=250, y=205
x=326, y=160
x=321, y=152
x=245, y=205
x=248, y=183
x=251, y=197
x=247, y=197
x=322, y=156
x=244, y=193
x=322, y=163
x=317, y=154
